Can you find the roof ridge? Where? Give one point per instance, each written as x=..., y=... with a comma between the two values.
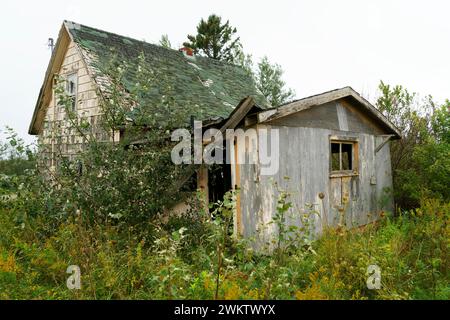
x=219, y=62
x=119, y=35
x=317, y=94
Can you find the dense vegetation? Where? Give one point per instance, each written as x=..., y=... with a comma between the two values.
x=104, y=211
x=421, y=159
x=192, y=257
x=122, y=255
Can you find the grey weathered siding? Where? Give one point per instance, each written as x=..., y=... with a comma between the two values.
x=304, y=172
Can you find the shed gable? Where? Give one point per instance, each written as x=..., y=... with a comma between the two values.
x=340, y=115
x=352, y=112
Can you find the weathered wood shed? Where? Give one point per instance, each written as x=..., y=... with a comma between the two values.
x=334, y=161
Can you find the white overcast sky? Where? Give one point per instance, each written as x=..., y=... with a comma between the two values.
x=321, y=45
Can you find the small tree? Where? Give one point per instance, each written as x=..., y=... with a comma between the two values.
x=215, y=40
x=165, y=42
x=269, y=81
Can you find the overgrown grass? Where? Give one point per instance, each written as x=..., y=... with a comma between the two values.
x=156, y=261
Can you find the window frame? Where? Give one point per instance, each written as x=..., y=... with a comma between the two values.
x=72, y=77
x=353, y=141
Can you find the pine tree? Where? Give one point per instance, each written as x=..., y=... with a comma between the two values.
x=165, y=42
x=215, y=40
x=269, y=81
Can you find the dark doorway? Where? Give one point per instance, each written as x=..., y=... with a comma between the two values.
x=219, y=181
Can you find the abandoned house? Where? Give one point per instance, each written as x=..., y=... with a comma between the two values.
x=332, y=148
x=79, y=56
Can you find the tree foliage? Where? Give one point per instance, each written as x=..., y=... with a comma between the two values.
x=269, y=81
x=15, y=155
x=215, y=40
x=421, y=159
x=165, y=42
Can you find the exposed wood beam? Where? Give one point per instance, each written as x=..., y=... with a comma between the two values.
x=236, y=116
x=385, y=140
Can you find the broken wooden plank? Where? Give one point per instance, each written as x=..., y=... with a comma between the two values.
x=236, y=116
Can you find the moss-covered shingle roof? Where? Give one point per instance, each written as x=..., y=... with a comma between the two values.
x=213, y=87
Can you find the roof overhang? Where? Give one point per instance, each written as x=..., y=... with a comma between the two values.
x=46, y=91
x=312, y=101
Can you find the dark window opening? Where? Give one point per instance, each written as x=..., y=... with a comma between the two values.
x=342, y=156
x=71, y=89
x=347, y=156
x=335, y=160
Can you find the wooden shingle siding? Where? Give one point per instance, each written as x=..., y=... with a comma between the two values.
x=87, y=105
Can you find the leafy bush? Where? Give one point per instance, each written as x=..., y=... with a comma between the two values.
x=420, y=160
x=412, y=251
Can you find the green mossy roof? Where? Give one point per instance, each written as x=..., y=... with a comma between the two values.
x=213, y=87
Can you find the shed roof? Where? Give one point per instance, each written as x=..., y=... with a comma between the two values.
x=328, y=96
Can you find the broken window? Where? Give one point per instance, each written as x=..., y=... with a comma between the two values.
x=342, y=156
x=71, y=89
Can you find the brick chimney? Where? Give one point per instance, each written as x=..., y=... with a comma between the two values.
x=187, y=51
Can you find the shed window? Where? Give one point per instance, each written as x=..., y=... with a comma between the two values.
x=342, y=156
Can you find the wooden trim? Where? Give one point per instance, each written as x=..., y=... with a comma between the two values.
x=309, y=102
x=343, y=138
x=237, y=185
x=354, y=141
x=346, y=173
x=46, y=92
x=381, y=145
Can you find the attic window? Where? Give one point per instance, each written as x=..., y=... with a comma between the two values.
x=343, y=156
x=71, y=89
